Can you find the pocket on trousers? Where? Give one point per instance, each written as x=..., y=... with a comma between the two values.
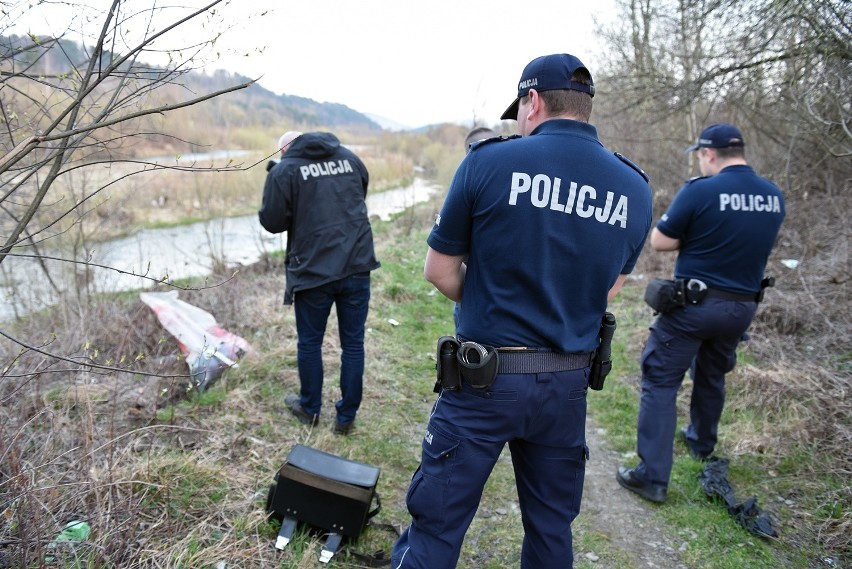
x=427, y=503
x=732, y=362
x=427, y=494
x=580, y=469
x=652, y=357
x=439, y=450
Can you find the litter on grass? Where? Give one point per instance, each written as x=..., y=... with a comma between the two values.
x=208, y=348
x=714, y=479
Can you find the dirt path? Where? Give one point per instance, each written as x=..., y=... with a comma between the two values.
x=630, y=524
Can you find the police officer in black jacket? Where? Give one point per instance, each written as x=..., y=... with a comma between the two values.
x=316, y=193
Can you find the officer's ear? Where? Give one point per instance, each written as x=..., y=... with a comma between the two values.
x=535, y=105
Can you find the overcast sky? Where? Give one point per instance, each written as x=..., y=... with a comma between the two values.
x=414, y=62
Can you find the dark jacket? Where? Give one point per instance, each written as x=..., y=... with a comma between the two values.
x=316, y=194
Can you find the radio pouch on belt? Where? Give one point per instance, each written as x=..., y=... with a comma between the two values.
x=326, y=491
x=664, y=295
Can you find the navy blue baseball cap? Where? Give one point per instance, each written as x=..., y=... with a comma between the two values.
x=722, y=135
x=549, y=73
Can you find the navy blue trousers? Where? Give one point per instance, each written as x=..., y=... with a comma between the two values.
x=702, y=338
x=351, y=297
x=542, y=417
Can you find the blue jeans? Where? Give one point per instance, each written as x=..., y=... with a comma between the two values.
x=542, y=418
x=351, y=297
x=703, y=339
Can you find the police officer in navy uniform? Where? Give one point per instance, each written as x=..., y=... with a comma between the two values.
x=535, y=234
x=723, y=226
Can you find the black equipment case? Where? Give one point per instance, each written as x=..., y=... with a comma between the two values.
x=325, y=491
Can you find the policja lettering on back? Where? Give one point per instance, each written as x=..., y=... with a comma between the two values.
x=743, y=202
x=544, y=192
x=330, y=168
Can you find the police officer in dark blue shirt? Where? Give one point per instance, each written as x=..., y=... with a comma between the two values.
x=723, y=226
x=535, y=234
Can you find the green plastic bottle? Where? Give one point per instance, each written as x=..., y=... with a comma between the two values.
x=73, y=532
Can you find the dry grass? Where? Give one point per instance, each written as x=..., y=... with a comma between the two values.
x=162, y=480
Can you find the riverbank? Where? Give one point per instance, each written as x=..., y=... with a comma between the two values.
x=170, y=254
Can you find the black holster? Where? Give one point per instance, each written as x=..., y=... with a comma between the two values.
x=602, y=364
x=764, y=284
x=447, y=365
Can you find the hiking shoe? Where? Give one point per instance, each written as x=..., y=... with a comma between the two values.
x=702, y=456
x=292, y=403
x=646, y=490
x=342, y=428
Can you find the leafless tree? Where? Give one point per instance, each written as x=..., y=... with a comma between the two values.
x=778, y=68
x=72, y=106
x=64, y=109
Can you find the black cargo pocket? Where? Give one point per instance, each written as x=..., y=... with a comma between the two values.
x=651, y=354
x=580, y=469
x=427, y=495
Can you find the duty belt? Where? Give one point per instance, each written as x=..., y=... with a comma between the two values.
x=725, y=295
x=530, y=360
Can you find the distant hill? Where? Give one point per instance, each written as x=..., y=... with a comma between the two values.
x=386, y=123
x=254, y=106
x=270, y=108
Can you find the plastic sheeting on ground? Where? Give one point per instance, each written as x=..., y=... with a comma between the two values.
x=714, y=479
x=208, y=348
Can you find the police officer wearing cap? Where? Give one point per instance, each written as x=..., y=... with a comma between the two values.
x=536, y=233
x=723, y=226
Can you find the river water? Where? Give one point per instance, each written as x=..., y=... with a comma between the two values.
x=173, y=253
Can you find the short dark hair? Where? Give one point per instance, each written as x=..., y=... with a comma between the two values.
x=730, y=152
x=569, y=101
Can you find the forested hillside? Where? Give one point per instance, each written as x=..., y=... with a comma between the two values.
x=247, y=118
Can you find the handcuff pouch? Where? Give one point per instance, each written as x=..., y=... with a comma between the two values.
x=478, y=364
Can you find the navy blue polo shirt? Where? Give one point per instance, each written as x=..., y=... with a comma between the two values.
x=548, y=222
x=727, y=225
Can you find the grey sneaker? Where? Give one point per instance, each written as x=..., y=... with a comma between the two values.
x=292, y=403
